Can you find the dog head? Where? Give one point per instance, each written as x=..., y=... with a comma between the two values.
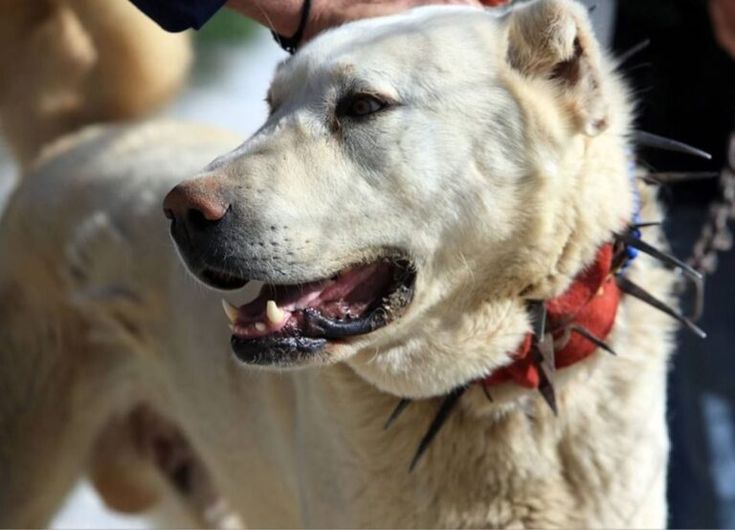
x=418, y=178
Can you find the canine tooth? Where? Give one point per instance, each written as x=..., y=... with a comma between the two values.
x=274, y=313
x=259, y=326
x=230, y=311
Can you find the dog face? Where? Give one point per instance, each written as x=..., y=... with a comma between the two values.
x=418, y=177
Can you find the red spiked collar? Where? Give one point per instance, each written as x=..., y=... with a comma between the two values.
x=568, y=328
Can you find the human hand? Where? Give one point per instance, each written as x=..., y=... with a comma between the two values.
x=282, y=16
x=326, y=14
x=722, y=13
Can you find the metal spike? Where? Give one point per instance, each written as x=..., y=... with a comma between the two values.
x=487, y=393
x=537, y=312
x=637, y=67
x=587, y=334
x=660, y=142
x=620, y=258
x=562, y=340
x=674, y=177
x=632, y=289
x=641, y=245
x=650, y=181
x=630, y=52
x=546, y=388
x=441, y=416
x=545, y=347
x=645, y=225
x=402, y=405
x=698, y=307
x=543, y=342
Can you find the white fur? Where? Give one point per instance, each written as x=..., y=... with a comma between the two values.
x=498, y=177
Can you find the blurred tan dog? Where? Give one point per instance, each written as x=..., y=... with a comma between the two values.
x=420, y=178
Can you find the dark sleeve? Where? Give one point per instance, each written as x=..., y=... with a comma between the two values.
x=178, y=15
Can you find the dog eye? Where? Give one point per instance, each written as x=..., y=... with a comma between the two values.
x=360, y=105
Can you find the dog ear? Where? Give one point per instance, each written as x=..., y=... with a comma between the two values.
x=553, y=39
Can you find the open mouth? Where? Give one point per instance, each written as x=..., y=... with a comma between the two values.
x=289, y=323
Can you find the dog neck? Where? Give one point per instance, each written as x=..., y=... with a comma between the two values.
x=567, y=328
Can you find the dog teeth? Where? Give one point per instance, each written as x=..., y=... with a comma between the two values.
x=274, y=314
x=259, y=326
x=230, y=311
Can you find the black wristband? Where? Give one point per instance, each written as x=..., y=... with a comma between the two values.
x=290, y=44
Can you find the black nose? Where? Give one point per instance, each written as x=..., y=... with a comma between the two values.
x=195, y=206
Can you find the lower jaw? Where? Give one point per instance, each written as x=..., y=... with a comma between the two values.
x=280, y=351
x=295, y=347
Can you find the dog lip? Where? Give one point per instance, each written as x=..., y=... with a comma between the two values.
x=223, y=281
x=321, y=326
x=277, y=350
x=292, y=346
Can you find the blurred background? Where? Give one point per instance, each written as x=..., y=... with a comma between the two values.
x=685, y=85
x=235, y=59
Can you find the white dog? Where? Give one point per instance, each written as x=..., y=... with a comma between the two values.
x=427, y=187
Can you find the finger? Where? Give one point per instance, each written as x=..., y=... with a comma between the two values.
x=722, y=13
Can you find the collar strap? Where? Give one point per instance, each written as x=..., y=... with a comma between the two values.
x=575, y=324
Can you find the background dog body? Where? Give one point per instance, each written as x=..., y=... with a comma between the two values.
x=69, y=63
x=106, y=342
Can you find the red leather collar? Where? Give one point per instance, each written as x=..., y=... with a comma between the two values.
x=591, y=302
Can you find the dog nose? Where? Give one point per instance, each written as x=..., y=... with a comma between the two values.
x=195, y=205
